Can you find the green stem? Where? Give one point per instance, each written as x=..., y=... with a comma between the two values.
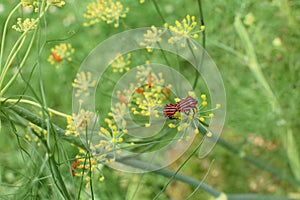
x=22, y=64
x=59, y=182
x=257, y=197
x=179, y=168
x=168, y=173
x=36, y=105
x=203, y=41
x=158, y=11
x=200, y=184
x=10, y=59
x=4, y=33
x=29, y=116
x=202, y=23
x=18, y=45
x=258, y=163
x=171, y=174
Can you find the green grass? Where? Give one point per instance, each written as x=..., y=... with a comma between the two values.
x=249, y=107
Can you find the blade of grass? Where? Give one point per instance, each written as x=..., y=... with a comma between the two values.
x=291, y=149
x=293, y=154
x=253, y=63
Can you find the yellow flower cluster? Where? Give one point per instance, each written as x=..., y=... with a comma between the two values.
x=58, y=3
x=184, y=30
x=78, y=123
x=36, y=134
x=83, y=82
x=181, y=33
x=151, y=38
x=84, y=164
x=61, y=54
x=112, y=136
x=109, y=11
x=120, y=63
x=187, y=121
x=32, y=5
x=26, y=25
x=145, y=97
x=71, y=127
x=150, y=94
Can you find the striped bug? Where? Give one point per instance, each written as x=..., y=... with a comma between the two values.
x=170, y=110
x=186, y=104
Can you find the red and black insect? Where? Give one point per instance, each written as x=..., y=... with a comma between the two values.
x=184, y=105
x=187, y=104
x=170, y=110
x=56, y=57
x=74, y=166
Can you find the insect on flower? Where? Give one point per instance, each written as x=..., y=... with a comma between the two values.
x=170, y=110
x=56, y=57
x=139, y=90
x=149, y=81
x=74, y=165
x=186, y=104
x=167, y=91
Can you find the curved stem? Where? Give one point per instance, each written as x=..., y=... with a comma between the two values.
x=203, y=40
x=36, y=105
x=10, y=59
x=254, y=161
x=171, y=174
x=166, y=172
x=18, y=45
x=4, y=33
x=22, y=64
x=158, y=11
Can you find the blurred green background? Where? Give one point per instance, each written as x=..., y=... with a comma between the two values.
x=251, y=125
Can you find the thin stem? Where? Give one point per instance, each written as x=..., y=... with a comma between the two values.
x=179, y=168
x=22, y=64
x=37, y=120
x=171, y=174
x=4, y=33
x=168, y=173
x=36, y=105
x=202, y=22
x=18, y=45
x=257, y=197
x=10, y=59
x=203, y=40
x=204, y=178
x=158, y=11
x=255, y=161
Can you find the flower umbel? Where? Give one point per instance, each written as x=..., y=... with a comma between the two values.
x=184, y=30
x=191, y=115
x=106, y=10
x=32, y=5
x=151, y=38
x=61, y=54
x=120, y=63
x=26, y=25
x=83, y=82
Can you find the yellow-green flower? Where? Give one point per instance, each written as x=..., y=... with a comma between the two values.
x=83, y=82
x=108, y=11
x=184, y=30
x=121, y=63
x=26, y=25
x=61, y=54
x=151, y=38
